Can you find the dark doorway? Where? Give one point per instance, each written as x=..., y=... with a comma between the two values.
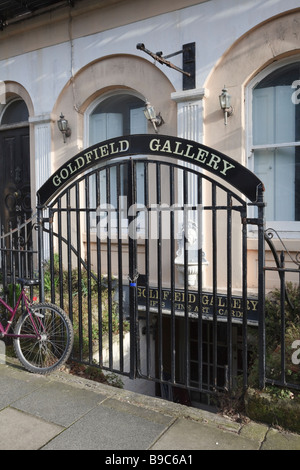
x=15, y=165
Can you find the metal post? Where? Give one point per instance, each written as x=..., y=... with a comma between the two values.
x=261, y=289
x=41, y=252
x=132, y=271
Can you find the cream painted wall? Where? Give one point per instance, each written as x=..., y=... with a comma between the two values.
x=108, y=74
x=65, y=60
x=271, y=41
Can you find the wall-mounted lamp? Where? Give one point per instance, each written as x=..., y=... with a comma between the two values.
x=63, y=127
x=150, y=114
x=225, y=103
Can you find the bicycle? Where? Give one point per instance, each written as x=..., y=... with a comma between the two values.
x=43, y=336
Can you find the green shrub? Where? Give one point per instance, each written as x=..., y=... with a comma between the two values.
x=274, y=332
x=84, y=303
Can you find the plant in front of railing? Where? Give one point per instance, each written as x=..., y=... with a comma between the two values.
x=282, y=334
x=90, y=303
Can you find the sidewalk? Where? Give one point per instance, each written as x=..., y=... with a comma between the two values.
x=64, y=412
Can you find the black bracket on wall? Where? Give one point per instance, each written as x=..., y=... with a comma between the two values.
x=188, y=62
x=189, y=65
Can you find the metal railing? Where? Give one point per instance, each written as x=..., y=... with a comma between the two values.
x=16, y=255
x=282, y=310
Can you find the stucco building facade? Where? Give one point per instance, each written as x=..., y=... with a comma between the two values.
x=80, y=59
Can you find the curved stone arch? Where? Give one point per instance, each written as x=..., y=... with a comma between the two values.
x=14, y=90
x=269, y=41
x=115, y=72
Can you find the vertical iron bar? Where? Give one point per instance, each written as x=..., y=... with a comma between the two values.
x=51, y=254
x=4, y=259
x=132, y=269
x=19, y=248
x=88, y=263
x=12, y=260
x=172, y=268
x=261, y=290
x=229, y=290
x=60, y=255
x=282, y=315
x=159, y=273
x=214, y=263
x=69, y=255
x=108, y=259
x=186, y=263
x=244, y=300
x=200, y=283
x=16, y=257
x=41, y=261
x=99, y=268
x=120, y=269
x=147, y=273
x=79, y=278
x=24, y=259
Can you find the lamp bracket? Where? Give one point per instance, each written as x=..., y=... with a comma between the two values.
x=169, y=55
x=188, y=69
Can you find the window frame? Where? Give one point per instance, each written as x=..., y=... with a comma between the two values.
x=91, y=108
x=89, y=111
x=286, y=229
x=3, y=110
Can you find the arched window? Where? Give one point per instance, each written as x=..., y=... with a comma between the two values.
x=15, y=112
x=117, y=115
x=121, y=113
x=276, y=141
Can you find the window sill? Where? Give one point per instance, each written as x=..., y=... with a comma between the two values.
x=292, y=244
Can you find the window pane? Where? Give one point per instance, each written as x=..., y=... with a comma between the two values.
x=276, y=168
x=116, y=116
x=276, y=118
x=15, y=112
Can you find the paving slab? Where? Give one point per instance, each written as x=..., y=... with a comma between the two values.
x=16, y=384
x=202, y=436
x=105, y=428
x=61, y=411
x=20, y=431
x=59, y=403
x=281, y=440
x=125, y=407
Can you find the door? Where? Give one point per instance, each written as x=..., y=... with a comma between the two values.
x=14, y=176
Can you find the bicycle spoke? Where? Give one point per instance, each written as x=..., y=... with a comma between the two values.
x=54, y=342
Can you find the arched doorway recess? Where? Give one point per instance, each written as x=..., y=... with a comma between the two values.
x=15, y=189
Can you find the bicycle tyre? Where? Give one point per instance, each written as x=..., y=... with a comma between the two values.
x=53, y=348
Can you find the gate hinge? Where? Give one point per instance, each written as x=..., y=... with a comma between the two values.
x=48, y=220
x=249, y=221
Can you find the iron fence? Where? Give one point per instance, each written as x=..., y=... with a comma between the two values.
x=17, y=255
x=282, y=312
x=135, y=305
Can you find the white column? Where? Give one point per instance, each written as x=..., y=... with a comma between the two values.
x=190, y=113
x=190, y=126
x=190, y=123
x=42, y=144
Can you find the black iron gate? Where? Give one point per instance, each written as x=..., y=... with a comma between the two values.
x=145, y=246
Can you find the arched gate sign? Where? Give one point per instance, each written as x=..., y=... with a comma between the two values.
x=191, y=152
x=147, y=235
